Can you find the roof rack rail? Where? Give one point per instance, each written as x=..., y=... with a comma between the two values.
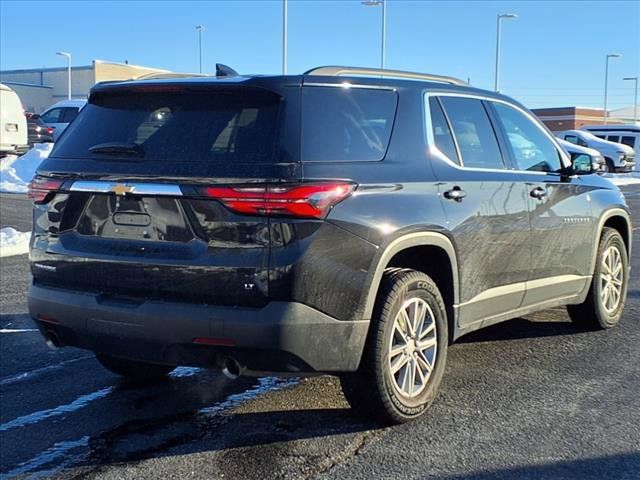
x=163, y=75
x=338, y=71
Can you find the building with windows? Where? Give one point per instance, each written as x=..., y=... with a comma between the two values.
x=38, y=88
x=558, y=119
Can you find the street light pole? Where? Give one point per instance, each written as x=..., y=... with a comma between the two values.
x=200, y=29
x=68, y=55
x=498, y=29
x=635, y=97
x=606, y=82
x=285, y=32
x=383, y=41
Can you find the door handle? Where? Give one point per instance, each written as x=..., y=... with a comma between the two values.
x=538, y=193
x=456, y=193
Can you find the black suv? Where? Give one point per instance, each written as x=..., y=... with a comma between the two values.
x=349, y=221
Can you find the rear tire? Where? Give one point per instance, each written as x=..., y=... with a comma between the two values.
x=403, y=362
x=605, y=301
x=133, y=369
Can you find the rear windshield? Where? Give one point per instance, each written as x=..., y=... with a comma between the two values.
x=201, y=127
x=346, y=124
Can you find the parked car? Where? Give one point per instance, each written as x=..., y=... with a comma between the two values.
x=345, y=221
x=627, y=134
x=37, y=132
x=618, y=157
x=53, y=121
x=595, y=157
x=13, y=124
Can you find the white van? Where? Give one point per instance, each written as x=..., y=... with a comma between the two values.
x=13, y=123
x=597, y=160
x=628, y=134
x=618, y=157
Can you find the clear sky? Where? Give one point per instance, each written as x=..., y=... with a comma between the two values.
x=553, y=54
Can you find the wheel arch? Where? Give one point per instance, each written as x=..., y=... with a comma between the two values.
x=618, y=219
x=438, y=260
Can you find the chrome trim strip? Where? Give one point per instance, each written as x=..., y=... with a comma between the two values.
x=134, y=188
x=431, y=144
x=521, y=287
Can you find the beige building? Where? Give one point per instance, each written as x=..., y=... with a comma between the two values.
x=38, y=88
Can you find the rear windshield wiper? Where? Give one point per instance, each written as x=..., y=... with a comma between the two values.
x=115, y=148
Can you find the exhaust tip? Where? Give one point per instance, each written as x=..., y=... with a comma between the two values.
x=231, y=368
x=52, y=339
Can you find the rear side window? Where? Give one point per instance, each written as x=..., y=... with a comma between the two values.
x=614, y=138
x=346, y=124
x=197, y=127
x=52, y=116
x=441, y=131
x=473, y=132
x=531, y=148
x=628, y=140
x=69, y=114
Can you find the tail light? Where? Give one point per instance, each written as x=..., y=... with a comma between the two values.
x=40, y=188
x=311, y=200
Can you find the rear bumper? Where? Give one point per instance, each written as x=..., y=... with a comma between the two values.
x=281, y=337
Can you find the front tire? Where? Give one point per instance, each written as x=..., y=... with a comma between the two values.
x=406, y=350
x=605, y=301
x=133, y=369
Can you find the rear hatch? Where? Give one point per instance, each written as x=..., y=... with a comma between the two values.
x=160, y=190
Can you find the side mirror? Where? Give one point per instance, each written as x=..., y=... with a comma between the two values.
x=583, y=164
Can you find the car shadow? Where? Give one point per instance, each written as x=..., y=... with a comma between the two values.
x=621, y=466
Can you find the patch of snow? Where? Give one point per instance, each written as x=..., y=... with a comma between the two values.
x=623, y=179
x=184, y=372
x=38, y=416
x=17, y=172
x=265, y=384
x=13, y=242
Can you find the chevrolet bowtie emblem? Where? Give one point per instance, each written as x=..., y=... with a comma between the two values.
x=121, y=189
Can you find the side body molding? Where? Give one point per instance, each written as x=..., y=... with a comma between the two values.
x=418, y=239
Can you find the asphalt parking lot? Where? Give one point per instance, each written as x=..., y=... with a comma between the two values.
x=533, y=398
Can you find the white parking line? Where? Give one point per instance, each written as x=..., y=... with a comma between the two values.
x=17, y=330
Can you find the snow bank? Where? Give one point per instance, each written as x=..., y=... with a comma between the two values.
x=624, y=179
x=13, y=242
x=17, y=172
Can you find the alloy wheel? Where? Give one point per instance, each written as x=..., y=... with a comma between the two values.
x=413, y=347
x=611, y=279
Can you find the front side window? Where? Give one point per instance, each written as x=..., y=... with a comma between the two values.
x=346, y=124
x=473, y=132
x=614, y=138
x=52, y=116
x=532, y=150
x=571, y=138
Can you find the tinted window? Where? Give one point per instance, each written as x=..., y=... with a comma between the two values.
x=52, y=116
x=601, y=136
x=631, y=141
x=346, y=124
x=441, y=132
x=614, y=138
x=473, y=132
x=216, y=126
x=69, y=114
x=531, y=148
x=575, y=139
